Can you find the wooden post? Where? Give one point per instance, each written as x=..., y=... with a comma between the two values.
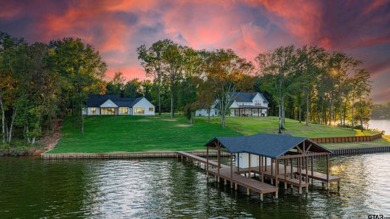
x=300, y=175
x=312, y=170
x=207, y=161
x=265, y=164
x=292, y=169
x=219, y=160
x=249, y=165
x=285, y=173
x=261, y=197
x=307, y=170
x=238, y=162
x=272, y=171
x=231, y=170
x=327, y=171
x=277, y=173
x=261, y=169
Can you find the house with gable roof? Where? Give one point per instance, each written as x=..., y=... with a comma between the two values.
x=242, y=104
x=116, y=105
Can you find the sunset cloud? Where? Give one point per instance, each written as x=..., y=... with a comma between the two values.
x=117, y=27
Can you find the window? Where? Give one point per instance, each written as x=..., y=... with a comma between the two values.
x=93, y=110
x=151, y=109
x=123, y=110
x=139, y=110
x=108, y=111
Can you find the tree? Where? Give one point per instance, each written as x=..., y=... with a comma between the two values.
x=117, y=85
x=173, y=59
x=81, y=69
x=227, y=73
x=278, y=65
x=361, y=89
x=153, y=63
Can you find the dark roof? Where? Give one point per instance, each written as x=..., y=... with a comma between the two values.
x=95, y=100
x=269, y=145
x=243, y=97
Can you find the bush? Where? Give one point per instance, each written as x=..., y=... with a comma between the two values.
x=17, y=148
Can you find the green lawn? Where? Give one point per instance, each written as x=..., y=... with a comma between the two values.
x=137, y=133
x=254, y=125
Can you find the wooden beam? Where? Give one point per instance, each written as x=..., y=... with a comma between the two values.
x=306, y=155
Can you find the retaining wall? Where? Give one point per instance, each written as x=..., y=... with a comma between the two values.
x=352, y=151
x=124, y=155
x=347, y=139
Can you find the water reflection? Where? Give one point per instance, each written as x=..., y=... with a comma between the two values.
x=166, y=188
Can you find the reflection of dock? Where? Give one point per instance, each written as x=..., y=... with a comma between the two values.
x=278, y=159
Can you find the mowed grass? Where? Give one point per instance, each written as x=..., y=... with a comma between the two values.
x=136, y=134
x=255, y=125
x=139, y=134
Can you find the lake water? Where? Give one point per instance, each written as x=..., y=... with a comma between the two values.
x=167, y=188
x=382, y=125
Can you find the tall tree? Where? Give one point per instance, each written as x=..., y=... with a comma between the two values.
x=227, y=73
x=279, y=64
x=81, y=69
x=153, y=63
x=173, y=58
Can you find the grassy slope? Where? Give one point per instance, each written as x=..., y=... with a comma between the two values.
x=135, y=133
x=132, y=133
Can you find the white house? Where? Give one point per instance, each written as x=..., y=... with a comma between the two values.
x=242, y=104
x=115, y=105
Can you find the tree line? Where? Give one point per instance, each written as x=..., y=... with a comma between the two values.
x=381, y=111
x=307, y=83
x=42, y=82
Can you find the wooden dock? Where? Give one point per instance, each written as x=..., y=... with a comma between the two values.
x=235, y=179
x=285, y=176
x=289, y=176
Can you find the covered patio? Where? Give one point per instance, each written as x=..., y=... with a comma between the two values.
x=272, y=158
x=249, y=110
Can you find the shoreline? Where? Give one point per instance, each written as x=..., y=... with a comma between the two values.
x=173, y=154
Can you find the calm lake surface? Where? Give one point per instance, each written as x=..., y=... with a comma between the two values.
x=382, y=125
x=166, y=188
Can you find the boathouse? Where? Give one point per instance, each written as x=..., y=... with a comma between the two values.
x=278, y=159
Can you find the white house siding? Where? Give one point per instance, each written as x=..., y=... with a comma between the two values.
x=244, y=160
x=144, y=104
x=204, y=112
x=121, y=110
x=108, y=104
x=91, y=111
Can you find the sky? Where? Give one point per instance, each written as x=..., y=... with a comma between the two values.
x=360, y=28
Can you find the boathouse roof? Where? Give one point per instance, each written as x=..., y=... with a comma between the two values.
x=269, y=145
